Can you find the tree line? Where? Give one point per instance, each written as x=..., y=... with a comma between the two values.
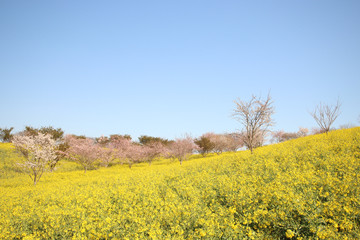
x=44, y=147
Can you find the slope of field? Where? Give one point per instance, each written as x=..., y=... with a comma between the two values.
x=307, y=188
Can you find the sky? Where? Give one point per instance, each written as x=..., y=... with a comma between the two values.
x=169, y=68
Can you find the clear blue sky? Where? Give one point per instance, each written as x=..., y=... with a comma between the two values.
x=166, y=68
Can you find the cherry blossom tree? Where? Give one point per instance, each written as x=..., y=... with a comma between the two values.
x=107, y=152
x=154, y=150
x=56, y=134
x=281, y=135
x=303, y=132
x=127, y=151
x=83, y=150
x=39, y=152
x=234, y=142
x=220, y=142
x=135, y=153
x=107, y=155
x=182, y=148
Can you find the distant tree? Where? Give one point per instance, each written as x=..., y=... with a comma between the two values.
x=154, y=150
x=234, y=142
x=115, y=137
x=135, y=153
x=83, y=151
x=146, y=140
x=30, y=131
x=281, y=136
x=316, y=131
x=181, y=148
x=106, y=155
x=127, y=151
x=204, y=143
x=6, y=135
x=103, y=141
x=347, y=126
x=39, y=151
x=120, y=145
x=325, y=115
x=256, y=117
x=220, y=142
x=277, y=136
x=303, y=132
x=107, y=152
x=56, y=134
x=79, y=136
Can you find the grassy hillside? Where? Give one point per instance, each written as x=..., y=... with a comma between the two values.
x=307, y=188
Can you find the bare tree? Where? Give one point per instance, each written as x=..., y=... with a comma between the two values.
x=325, y=115
x=255, y=116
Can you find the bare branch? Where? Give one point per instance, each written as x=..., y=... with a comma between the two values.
x=255, y=116
x=325, y=115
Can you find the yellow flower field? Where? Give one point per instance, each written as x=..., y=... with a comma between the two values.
x=308, y=188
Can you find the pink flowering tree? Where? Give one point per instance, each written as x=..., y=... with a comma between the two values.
x=153, y=151
x=39, y=152
x=107, y=152
x=182, y=148
x=281, y=135
x=303, y=132
x=277, y=136
x=226, y=142
x=234, y=142
x=107, y=155
x=82, y=150
x=56, y=134
x=135, y=153
x=127, y=151
x=219, y=141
